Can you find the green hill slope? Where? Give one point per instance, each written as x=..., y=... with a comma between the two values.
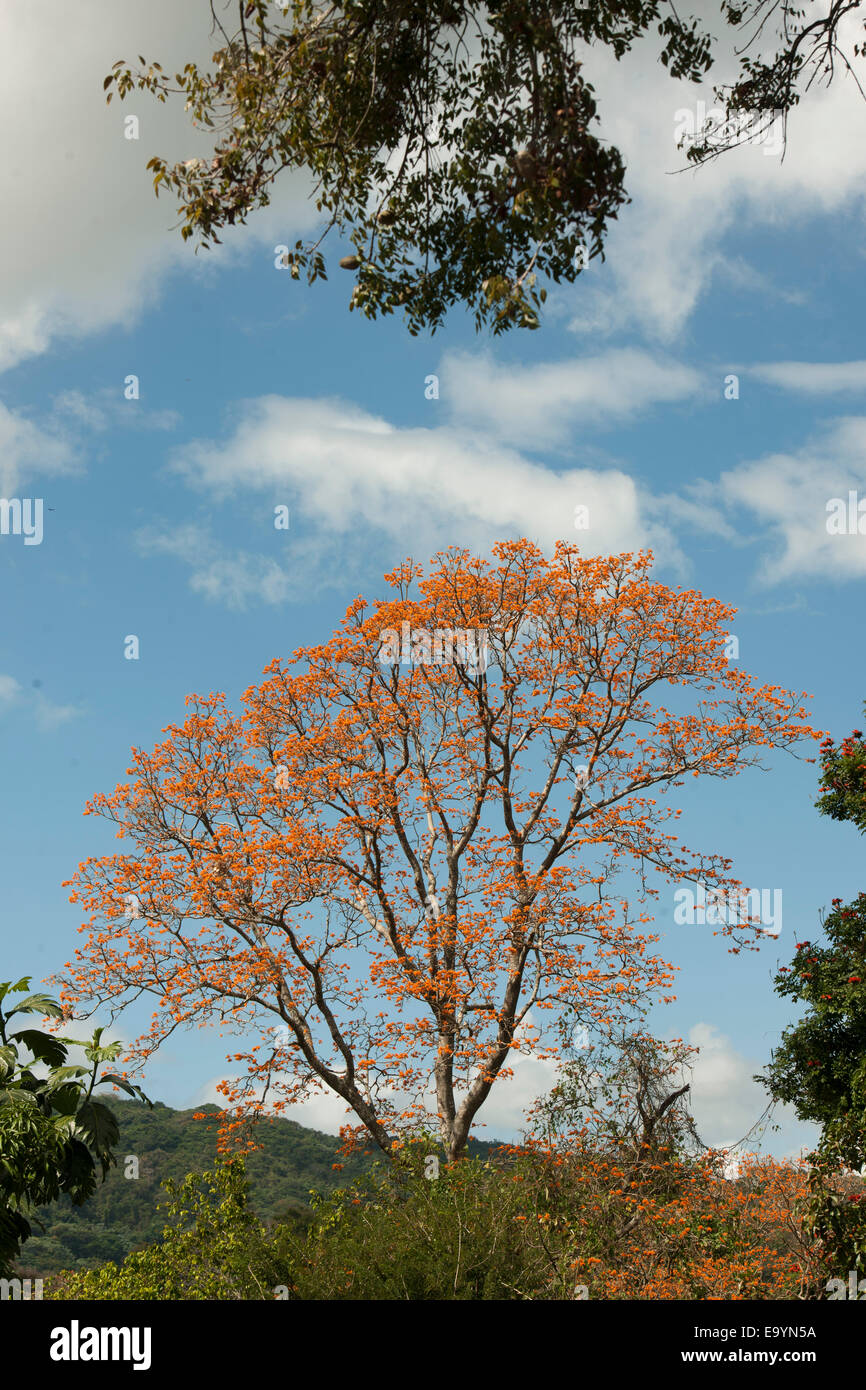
x=123, y=1213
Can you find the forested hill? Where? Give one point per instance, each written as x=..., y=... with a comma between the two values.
x=123, y=1213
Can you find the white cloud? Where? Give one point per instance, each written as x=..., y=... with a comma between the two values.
x=351, y=477
x=84, y=412
x=233, y=578
x=726, y=1102
x=182, y=541
x=813, y=378
x=501, y=1117
x=324, y=1111
x=87, y=243
x=48, y=715
x=106, y=408
x=546, y=403
x=357, y=485
x=788, y=495
x=669, y=244
x=27, y=449
x=236, y=580
x=10, y=691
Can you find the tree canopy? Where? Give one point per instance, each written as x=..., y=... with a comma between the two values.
x=455, y=145
x=820, y=1065
x=406, y=845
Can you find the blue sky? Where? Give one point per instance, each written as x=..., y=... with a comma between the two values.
x=256, y=390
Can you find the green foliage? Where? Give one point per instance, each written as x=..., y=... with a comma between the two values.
x=451, y=142
x=123, y=1214
x=397, y=1233
x=836, y=1210
x=213, y=1248
x=526, y=1225
x=53, y=1133
x=820, y=1065
x=843, y=783
x=469, y=1232
x=623, y=1209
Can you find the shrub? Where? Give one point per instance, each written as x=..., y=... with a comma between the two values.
x=213, y=1248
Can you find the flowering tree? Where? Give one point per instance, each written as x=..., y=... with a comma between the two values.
x=400, y=849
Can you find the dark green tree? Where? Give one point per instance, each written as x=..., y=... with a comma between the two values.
x=843, y=786
x=451, y=143
x=54, y=1132
x=454, y=143
x=820, y=1065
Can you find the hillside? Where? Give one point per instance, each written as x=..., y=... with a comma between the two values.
x=123, y=1213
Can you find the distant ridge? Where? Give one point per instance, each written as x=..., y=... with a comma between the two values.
x=122, y=1215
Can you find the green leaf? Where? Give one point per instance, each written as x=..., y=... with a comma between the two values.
x=103, y=1054
x=66, y=1099
x=45, y=1046
x=7, y=987
x=38, y=1004
x=62, y=1075
x=128, y=1086
x=97, y=1126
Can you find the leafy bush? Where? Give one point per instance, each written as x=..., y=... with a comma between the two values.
x=212, y=1248
x=429, y=1231
x=53, y=1131
x=542, y=1225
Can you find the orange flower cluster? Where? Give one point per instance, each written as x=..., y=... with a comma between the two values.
x=679, y=1228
